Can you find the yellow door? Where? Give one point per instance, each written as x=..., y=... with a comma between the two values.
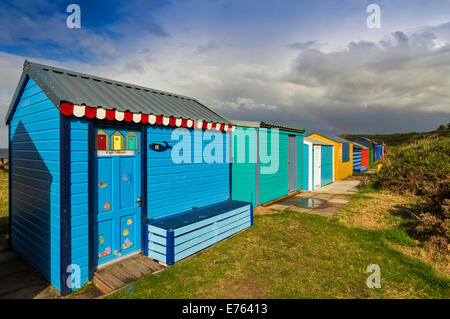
x=117, y=144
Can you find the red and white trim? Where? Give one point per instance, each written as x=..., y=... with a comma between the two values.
x=101, y=113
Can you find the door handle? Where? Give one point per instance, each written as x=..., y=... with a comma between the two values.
x=139, y=201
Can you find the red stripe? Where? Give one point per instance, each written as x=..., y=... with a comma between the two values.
x=172, y=121
x=128, y=116
x=222, y=127
x=183, y=123
x=110, y=114
x=205, y=125
x=159, y=120
x=213, y=126
x=144, y=118
x=66, y=108
x=90, y=112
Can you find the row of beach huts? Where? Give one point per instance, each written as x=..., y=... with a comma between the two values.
x=94, y=180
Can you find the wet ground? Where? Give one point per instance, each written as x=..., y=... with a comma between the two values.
x=325, y=201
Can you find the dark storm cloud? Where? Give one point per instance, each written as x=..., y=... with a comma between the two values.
x=302, y=45
x=398, y=84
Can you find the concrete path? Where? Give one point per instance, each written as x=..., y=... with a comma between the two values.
x=331, y=197
x=19, y=280
x=350, y=186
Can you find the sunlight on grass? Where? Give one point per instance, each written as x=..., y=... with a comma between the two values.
x=295, y=255
x=3, y=201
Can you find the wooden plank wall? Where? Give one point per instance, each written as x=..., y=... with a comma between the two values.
x=189, y=239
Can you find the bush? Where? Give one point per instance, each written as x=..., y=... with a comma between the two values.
x=422, y=169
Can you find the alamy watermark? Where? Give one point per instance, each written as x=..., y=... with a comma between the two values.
x=244, y=145
x=374, y=19
x=73, y=21
x=73, y=280
x=374, y=279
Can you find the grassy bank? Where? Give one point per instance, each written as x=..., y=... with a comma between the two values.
x=400, y=138
x=297, y=255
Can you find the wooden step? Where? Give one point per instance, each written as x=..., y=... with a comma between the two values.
x=124, y=272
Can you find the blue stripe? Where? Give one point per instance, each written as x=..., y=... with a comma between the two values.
x=92, y=256
x=143, y=195
x=170, y=247
x=65, y=206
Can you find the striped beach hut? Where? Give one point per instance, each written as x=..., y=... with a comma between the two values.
x=371, y=145
x=360, y=157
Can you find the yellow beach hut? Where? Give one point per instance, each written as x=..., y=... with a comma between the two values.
x=343, y=154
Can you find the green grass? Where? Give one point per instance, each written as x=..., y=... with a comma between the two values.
x=4, y=221
x=296, y=255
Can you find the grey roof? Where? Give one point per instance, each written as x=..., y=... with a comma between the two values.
x=83, y=89
x=316, y=141
x=357, y=145
x=365, y=139
x=257, y=124
x=333, y=138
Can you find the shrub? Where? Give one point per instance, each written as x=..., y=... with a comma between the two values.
x=422, y=169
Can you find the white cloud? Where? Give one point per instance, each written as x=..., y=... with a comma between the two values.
x=399, y=83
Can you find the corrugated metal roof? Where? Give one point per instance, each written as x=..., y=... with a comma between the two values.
x=83, y=89
x=357, y=145
x=333, y=138
x=367, y=139
x=257, y=124
x=316, y=141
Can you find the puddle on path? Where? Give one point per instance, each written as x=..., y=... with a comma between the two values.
x=304, y=202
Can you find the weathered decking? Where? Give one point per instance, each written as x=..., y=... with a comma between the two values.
x=124, y=272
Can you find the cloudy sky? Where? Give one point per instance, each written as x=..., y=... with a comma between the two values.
x=308, y=64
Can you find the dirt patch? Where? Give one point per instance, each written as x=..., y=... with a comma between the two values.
x=240, y=288
x=374, y=211
x=260, y=210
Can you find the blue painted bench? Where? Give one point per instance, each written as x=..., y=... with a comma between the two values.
x=176, y=237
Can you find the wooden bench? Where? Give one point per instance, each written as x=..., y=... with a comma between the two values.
x=176, y=237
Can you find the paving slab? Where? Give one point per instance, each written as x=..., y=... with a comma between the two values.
x=340, y=187
x=335, y=195
x=301, y=209
x=335, y=200
x=322, y=196
x=4, y=241
x=20, y=281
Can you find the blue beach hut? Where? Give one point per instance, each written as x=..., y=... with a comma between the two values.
x=94, y=178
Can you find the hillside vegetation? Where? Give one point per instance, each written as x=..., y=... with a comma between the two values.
x=422, y=169
x=401, y=138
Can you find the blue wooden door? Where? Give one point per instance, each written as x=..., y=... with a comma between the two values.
x=292, y=163
x=117, y=197
x=326, y=173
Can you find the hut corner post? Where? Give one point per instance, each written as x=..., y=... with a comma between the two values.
x=65, y=204
x=170, y=247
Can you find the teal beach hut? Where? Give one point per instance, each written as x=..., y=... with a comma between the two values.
x=257, y=180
